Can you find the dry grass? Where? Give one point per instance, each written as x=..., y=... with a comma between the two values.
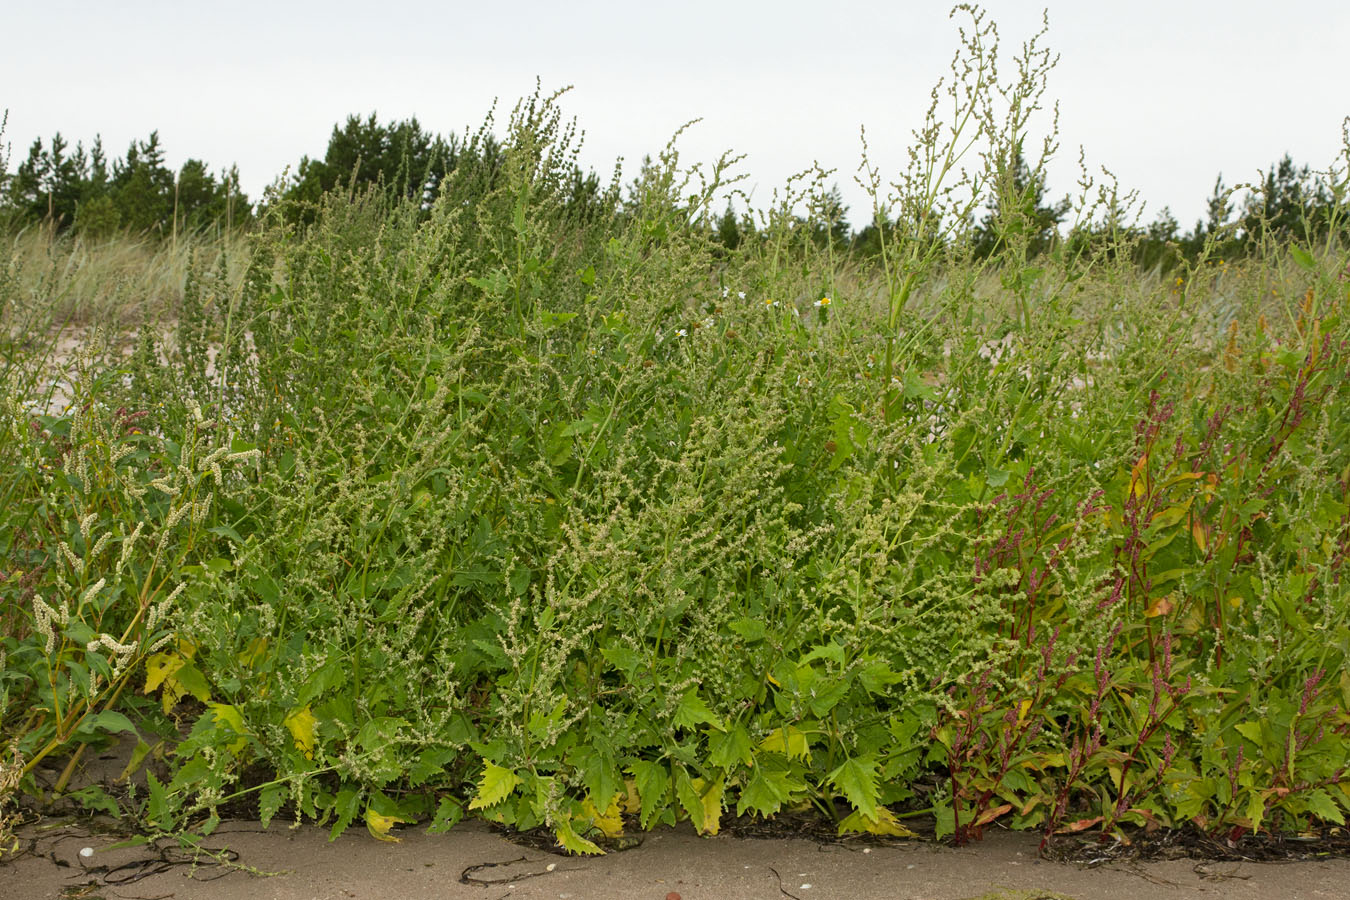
x=60, y=280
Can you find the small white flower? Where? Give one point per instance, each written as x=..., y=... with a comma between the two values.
x=708, y=322
x=682, y=333
x=740, y=295
x=726, y=291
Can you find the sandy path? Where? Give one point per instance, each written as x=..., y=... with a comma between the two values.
x=307, y=866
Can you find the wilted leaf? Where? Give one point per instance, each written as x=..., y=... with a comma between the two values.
x=1160, y=606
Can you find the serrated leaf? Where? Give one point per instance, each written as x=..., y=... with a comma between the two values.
x=856, y=779
x=572, y=842
x=1251, y=731
x=609, y=822
x=653, y=787
x=701, y=799
x=770, y=786
x=448, y=812
x=884, y=823
x=495, y=786
x=379, y=825
x=1321, y=804
x=269, y=801
x=300, y=724
x=693, y=711
x=346, y=804
x=788, y=740
x=730, y=748
x=233, y=720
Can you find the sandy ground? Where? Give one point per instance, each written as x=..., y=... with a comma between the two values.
x=472, y=862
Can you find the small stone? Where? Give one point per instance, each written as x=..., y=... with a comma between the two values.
x=86, y=852
x=550, y=867
x=673, y=895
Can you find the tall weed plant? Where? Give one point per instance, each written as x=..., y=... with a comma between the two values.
x=586, y=521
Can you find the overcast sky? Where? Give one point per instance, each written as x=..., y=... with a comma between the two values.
x=1165, y=94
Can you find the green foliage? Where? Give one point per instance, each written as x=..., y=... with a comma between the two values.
x=564, y=513
x=137, y=193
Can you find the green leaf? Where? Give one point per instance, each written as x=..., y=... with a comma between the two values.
x=751, y=630
x=702, y=800
x=108, y=721
x=653, y=787
x=769, y=788
x=730, y=748
x=549, y=320
x=347, y=804
x=1251, y=731
x=1303, y=258
x=572, y=842
x=856, y=779
x=1321, y=804
x=692, y=712
x=269, y=802
x=448, y=813
x=495, y=786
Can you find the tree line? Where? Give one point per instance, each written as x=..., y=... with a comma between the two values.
x=86, y=192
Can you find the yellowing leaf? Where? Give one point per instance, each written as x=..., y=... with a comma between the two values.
x=1022, y=709
x=379, y=825
x=610, y=822
x=1160, y=606
x=300, y=724
x=496, y=785
x=632, y=804
x=788, y=740
x=572, y=842
x=229, y=716
x=253, y=652
x=709, y=799
x=1200, y=532
x=990, y=815
x=159, y=667
x=884, y=823
x=1139, y=477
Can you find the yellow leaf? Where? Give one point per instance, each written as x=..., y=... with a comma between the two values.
x=884, y=823
x=379, y=825
x=610, y=822
x=788, y=740
x=1139, y=477
x=710, y=798
x=632, y=804
x=300, y=724
x=230, y=716
x=1022, y=710
x=159, y=667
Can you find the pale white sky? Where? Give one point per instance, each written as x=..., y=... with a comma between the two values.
x=1166, y=93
